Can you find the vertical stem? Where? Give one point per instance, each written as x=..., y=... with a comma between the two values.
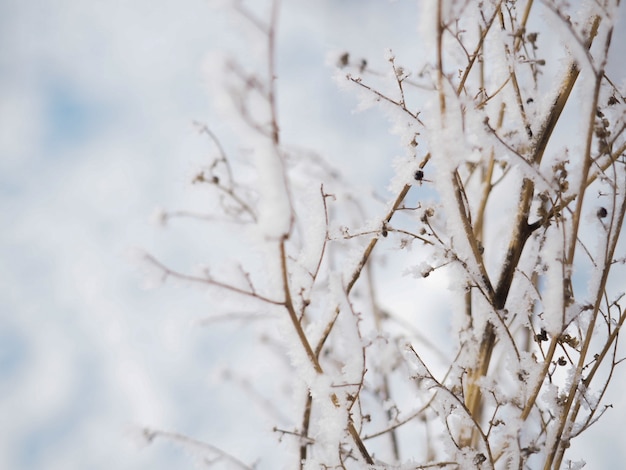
x=306, y=420
x=271, y=37
x=442, y=97
x=566, y=420
x=292, y=312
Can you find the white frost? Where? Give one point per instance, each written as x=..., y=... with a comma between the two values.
x=274, y=202
x=553, y=293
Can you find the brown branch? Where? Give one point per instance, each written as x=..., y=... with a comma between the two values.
x=478, y=48
x=370, y=246
x=168, y=272
x=151, y=434
x=288, y=303
x=380, y=95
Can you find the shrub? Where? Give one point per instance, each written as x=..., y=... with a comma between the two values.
x=511, y=191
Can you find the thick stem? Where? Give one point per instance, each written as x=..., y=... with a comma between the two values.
x=520, y=233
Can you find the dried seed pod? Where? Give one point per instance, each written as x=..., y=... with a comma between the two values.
x=541, y=336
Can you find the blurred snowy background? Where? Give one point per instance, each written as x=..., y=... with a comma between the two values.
x=97, y=104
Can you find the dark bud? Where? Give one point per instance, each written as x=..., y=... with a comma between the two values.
x=480, y=458
x=602, y=213
x=529, y=131
x=385, y=231
x=419, y=175
x=612, y=101
x=561, y=361
x=344, y=60
x=542, y=336
x=199, y=178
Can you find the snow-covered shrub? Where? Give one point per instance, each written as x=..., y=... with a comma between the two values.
x=488, y=337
